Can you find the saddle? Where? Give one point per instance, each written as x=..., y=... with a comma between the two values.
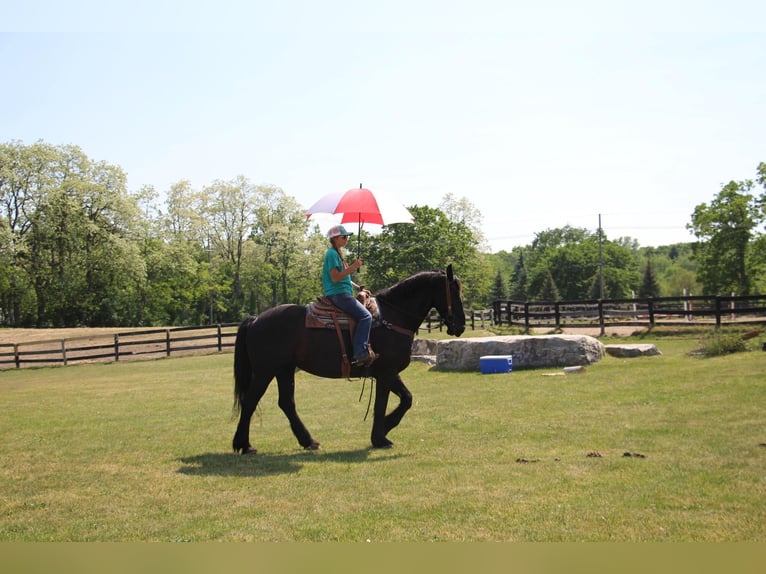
x=323, y=314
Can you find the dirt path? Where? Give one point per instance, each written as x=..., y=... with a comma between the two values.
x=594, y=331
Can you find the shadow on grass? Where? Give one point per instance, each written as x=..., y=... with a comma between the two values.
x=230, y=464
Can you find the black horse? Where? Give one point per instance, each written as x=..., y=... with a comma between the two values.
x=277, y=342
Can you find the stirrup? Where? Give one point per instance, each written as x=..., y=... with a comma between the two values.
x=366, y=360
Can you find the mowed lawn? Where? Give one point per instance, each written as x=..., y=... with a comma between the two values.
x=141, y=451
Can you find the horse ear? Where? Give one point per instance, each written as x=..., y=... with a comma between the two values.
x=450, y=275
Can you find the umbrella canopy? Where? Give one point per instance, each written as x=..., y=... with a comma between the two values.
x=362, y=206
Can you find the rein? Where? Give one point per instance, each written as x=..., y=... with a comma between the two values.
x=449, y=299
x=448, y=320
x=397, y=328
x=389, y=325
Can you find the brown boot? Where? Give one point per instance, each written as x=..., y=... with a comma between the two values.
x=366, y=360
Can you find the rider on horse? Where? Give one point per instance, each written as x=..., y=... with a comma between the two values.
x=338, y=288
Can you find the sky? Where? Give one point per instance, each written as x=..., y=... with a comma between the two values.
x=541, y=114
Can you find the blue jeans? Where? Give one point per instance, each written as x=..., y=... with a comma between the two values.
x=350, y=305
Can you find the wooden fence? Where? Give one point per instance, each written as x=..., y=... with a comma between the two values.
x=149, y=344
x=650, y=312
x=153, y=343
x=475, y=318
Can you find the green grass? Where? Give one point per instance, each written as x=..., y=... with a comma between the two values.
x=141, y=452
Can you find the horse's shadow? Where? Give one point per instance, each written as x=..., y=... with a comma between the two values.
x=230, y=464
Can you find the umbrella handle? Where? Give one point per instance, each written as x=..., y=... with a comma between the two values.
x=359, y=237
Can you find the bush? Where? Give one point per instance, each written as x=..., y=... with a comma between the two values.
x=723, y=344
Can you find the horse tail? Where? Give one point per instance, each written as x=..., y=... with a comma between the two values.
x=243, y=371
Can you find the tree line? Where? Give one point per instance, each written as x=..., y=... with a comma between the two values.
x=78, y=248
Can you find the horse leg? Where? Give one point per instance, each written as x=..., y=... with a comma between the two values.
x=286, y=382
x=248, y=403
x=379, y=432
x=405, y=402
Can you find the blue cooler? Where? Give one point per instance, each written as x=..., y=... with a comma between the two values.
x=496, y=364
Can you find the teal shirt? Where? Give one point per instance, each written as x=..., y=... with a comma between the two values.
x=332, y=259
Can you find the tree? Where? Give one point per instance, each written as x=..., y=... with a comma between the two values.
x=26, y=175
x=282, y=249
x=518, y=283
x=463, y=211
x=549, y=291
x=649, y=286
x=432, y=242
x=558, y=237
x=673, y=267
x=572, y=259
x=498, y=288
x=757, y=258
x=71, y=235
x=725, y=229
x=228, y=211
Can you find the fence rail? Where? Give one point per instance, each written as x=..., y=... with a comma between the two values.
x=154, y=343
x=475, y=318
x=150, y=343
x=647, y=312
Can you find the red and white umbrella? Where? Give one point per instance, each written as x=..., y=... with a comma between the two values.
x=361, y=206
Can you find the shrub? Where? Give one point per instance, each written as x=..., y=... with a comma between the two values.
x=723, y=344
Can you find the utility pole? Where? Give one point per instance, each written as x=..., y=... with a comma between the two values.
x=600, y=260
x=601, y=275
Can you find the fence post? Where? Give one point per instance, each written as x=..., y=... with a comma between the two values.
x=63, y=351
x=116, y=347
x=220, y=342
x=601, y=319
x=650, y=305
x=717, y=312
x=16, y=356
x=526, y=317
x=557, y=315
x=167, y=342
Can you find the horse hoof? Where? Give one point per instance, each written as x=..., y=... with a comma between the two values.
x=383, y=444
x=313, y=446
x=249, y=450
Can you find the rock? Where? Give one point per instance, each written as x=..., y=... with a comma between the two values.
x=527, y=351
x=424, y=351
x=424, y=347
x=632, y=350
x=571, y=370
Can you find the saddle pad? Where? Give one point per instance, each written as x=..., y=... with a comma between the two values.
x=319, y=315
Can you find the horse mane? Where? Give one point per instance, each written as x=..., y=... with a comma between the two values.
x=407, y=283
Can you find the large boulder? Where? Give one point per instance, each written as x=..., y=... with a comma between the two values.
x=424, y=347
x=527, y=351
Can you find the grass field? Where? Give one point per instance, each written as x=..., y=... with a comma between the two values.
x=141, y=452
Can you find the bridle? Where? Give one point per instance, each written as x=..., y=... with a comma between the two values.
x=449, y=320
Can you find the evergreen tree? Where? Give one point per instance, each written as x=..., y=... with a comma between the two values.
x=498, y=289
x=549, y=291
x=518, y=283
x=649, y=285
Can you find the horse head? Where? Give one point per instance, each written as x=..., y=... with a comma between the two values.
x=451, y=311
